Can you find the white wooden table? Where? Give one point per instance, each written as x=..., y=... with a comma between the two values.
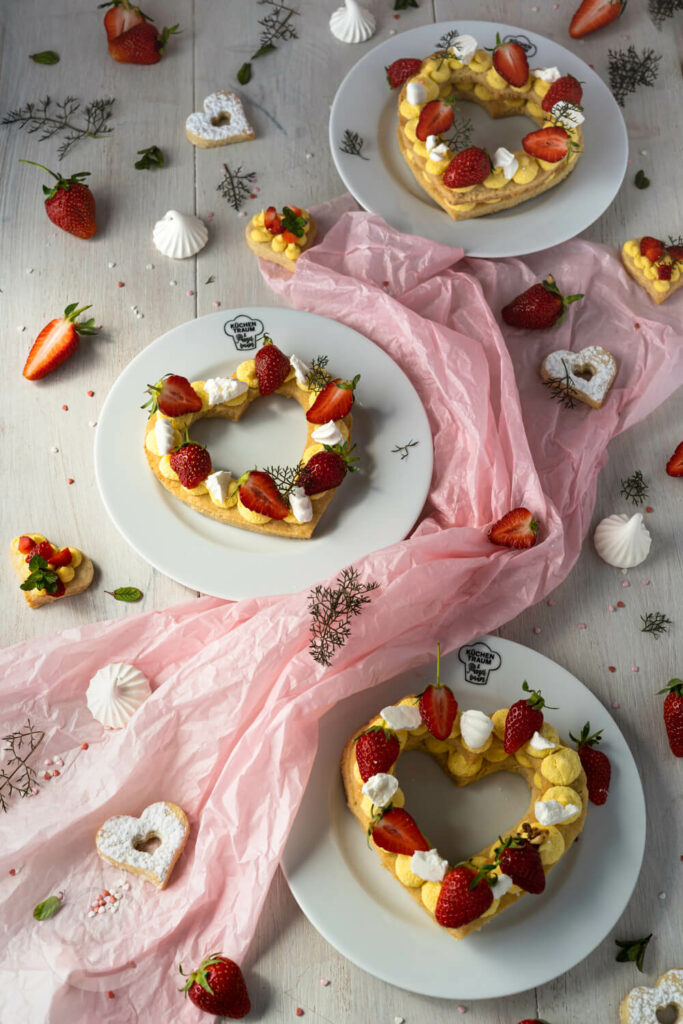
x=41, y=269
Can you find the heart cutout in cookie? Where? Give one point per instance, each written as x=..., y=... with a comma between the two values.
x=585, y=376
x=222, y=121
x=126, y=842
x=668, y=1014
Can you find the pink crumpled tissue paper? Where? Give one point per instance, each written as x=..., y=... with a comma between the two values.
x=230, y=730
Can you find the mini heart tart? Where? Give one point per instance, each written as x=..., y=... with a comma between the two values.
x=222, y=122
x=654, y=265
x=585, y=376
x=463, y=179
x=119, y=840
x=281, y=237
x=48, y=572
x=469, y=746
x=641, y=1005
x=283, y=501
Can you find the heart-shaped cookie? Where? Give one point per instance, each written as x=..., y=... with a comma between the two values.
x=121, y=838
x=71, y=572
x=223, y=121
x=585, y=376
x=641, y=1004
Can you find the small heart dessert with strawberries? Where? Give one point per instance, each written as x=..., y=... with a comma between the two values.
x=47, y=572
x=281, y=237
x=657, y=266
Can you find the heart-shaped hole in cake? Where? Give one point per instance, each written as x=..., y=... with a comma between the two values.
x=220, y=119
x=668, y=1014
x=585, y=372
x=147, y=844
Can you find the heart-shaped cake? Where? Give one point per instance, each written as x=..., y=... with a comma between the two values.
x=221, y=122
x=48, y=572
x=119, y=841
x=585, y=376
x=469, y=746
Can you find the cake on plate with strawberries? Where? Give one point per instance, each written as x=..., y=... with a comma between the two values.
x=285, y=501
x=468, y=745
x=466, y=180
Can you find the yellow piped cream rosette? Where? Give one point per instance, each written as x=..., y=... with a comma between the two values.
x=276, y=248
x=76, y=576
x=231, y=511
x=480, y=83
x=553, y=773
x=646, y=271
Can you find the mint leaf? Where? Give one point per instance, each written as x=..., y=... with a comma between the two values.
x=150, y=159
x=40, y=577
x=48, y=908
x=125, y=593
x=292, y=222
x=244, y=73
x=640, y=180
x=45, y=57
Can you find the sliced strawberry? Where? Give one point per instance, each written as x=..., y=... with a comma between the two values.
x=436, y=117
x=173, y=395
x=272, y=221
x=121, y=16
x=401, y=70
x=664, y=272
x=594, y=14
x=468, y=167
x=463, y=898
x=259, y=493
x=272, y=367
x=550, y=144
x=60, y=558
x=61, y=589
x=517, y=529
x=56, y=342
x=25, y=544
x=510, y=61
x=566, y=89
x=438, y=706
x=192, y=463
x=674, y=466
x=397, y=832
x=377, y=749
x=290, y=238
x=44, y=549
x=334, y=402
x=651, y=247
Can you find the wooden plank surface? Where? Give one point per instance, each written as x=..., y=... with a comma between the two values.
x=41, y=269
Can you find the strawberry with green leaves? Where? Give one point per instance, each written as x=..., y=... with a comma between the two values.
x=69, y=203
x=217, y=987
x=327, y=469
x=524, y=718
x=673, y=715
x=540, y=307
x=594, y=763
x=377, y=750
x=334, y=402
x=57, y=341
x=173, y=396
x=438, y=706
x=465, y=895
x=397, y=832
x=141, y=44
x=192, y=463
x=272, y=367
x=520, y=860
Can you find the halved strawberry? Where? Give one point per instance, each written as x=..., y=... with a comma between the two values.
x=510, y=61
x=192, y=463
x=468, y=167
x=674, y=466
x=438, y=706
x=56, y=342
x=334, y=401
x=43, y=548
x=377, y=749
x=397, y=832
x=550, y=144
x=25, y=544
x=173, y=395
x=272, y=367
x=289, y=237
x=651, y=247
x=436, y=117
x=259, y=493
x=272, y=222
x=517, y=529
x=401, y=70
x=594, y=14
x=566, y=89
x=121, y=16
x=60, y=558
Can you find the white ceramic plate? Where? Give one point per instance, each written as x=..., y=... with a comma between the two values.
x=361, y=910
x=375, y=507
x=383, y=183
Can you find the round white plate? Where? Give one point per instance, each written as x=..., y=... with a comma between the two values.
x=360, y=908
x=384, y=184
x=375, y=507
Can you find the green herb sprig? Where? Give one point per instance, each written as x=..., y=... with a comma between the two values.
x=235, y=186
x=628, y=69
x=562, y=388
x=633, y=951
x=635, y=488
x=655, y=623
x=129, y=594
x=17, y=776
x=45, y=57
x=40, y=577
x=352, y=143
x=293, y=222
x=63, y=117
x=150, y=159
x=331, y=610
x=49, y=907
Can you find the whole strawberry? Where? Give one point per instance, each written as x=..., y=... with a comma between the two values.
x=218, y=987
x=595, y=764
x=438, y=706
x=673, y=715
x=463, y=898
x=524, y=718
x=272, y=367
x=401, y=70
x=377, y=749
x=566, y=89
x=141, y=44
x=539, y=307
x=69, y=204
x=468, y=167
x=520, y=860
x=192, y=463
x=327, y=469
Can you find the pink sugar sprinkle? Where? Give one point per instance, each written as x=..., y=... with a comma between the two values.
x=537, y=629
x=625, y=583
x=216, y=304
x=47, y=776
x=12, y=871
x=84, y=746
x=69, y=479
x=324, y=982
x=616, y=704
x=190, y=292
x=462, y=1009
x=90, y=394
x=120, y=284
x=299, y=1012
x=646, y=583
x=47, y=762
x=610, y=607
x=55, y=773
x=649, y=508
x=550, y=602
x=59, y=762
x=582, y=625
x=635, y=668
x=209, y=216
x=65, y=408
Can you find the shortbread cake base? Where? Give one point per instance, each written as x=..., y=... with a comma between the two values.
x=265, y=251
x=83, y=577
x=638, y=275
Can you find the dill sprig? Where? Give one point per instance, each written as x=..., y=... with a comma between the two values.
x=446, y=40
x=562, y=388
x=63, y=116
x=318, y=378
x=460, y=132
x=660, y=10
x=628, y=69
x=332, y=609
x=353, y=143
x=655, y=623
x=236, y=186
x=288, y=477
x=402, y=449
x=17, y=776
x=276, y=26
x=635, y=488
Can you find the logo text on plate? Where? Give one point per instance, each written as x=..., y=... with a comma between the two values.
x=245, y=331
x=479, y=660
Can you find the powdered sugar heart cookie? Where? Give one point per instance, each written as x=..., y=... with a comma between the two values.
x=587, y=375
x=121, y=838
x=641, y=1004
x=223, y=121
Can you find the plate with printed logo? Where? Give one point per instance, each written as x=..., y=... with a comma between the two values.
x=365, y=148
x=364, y=912
x=372, y=508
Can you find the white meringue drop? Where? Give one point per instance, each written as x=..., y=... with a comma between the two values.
x=623, y=541
x=179, y=235
x=352, y=23
x=115, y=693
